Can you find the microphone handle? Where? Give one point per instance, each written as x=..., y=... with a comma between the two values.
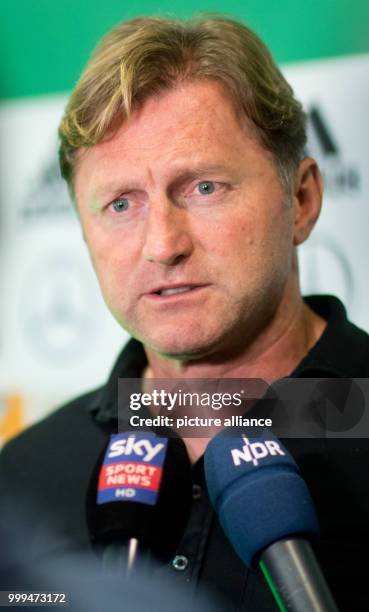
x=295, y=578
x=133, y=546
x=121, y=556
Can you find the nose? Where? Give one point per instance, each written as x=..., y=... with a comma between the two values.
x=168, y=239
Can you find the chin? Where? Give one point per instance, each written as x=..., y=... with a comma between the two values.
x=180, y=348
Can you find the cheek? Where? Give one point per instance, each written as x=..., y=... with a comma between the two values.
x=111, y=265
x=253, y=244
x=108, y=250
x=232, y=240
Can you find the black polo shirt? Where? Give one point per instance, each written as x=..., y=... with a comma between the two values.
x=48, y=468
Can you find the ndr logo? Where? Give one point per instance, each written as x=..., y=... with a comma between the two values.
x=253, y=451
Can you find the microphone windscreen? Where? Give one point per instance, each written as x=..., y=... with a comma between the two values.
x=256, y=488
x=140, y=488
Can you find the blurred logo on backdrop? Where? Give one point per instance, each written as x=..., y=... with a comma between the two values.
x=11, y=416
x=46, y=196
x=58, y=307
x=340, y=176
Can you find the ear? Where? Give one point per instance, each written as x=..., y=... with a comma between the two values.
x=307, y=199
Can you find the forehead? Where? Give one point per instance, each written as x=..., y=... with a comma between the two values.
x=195, y=121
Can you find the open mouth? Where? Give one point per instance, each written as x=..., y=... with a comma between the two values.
x=174, y=290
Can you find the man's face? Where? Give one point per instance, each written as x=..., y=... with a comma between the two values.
x=188, y=227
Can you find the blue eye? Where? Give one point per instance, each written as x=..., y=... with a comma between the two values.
x=206, y=187
x=120, y=204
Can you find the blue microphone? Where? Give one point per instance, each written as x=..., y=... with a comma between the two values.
x=266, y=511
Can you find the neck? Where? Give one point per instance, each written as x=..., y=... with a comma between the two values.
x=275, y=353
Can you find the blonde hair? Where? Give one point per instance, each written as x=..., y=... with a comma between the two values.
x=147, y=55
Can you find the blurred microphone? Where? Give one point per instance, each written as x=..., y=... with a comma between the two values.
x=266, y=511
x=139, y=498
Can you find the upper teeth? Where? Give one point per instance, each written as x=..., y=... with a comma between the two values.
x=172, y=291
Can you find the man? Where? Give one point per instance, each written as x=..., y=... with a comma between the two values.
x=183, y=147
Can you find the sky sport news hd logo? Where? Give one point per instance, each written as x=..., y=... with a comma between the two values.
x=132, y=468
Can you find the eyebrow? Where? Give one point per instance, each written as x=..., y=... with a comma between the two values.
x=202, y=170
x=112, y=187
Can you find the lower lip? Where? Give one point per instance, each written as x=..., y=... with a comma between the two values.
x=175, y=297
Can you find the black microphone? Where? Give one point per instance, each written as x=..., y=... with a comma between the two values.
x=139, y=496
x=266, y=511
